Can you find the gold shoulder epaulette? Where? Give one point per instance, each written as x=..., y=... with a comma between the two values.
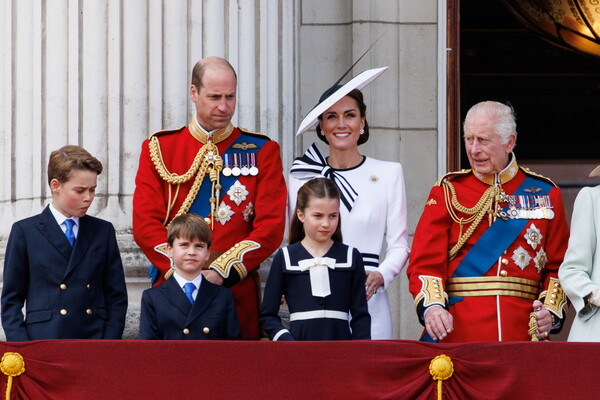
x=542, y=177
x=261, y=135
x=166, y=131
x=451, y=175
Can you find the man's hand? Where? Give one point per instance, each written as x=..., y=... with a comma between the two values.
x=213, y=277
x=544, y=319
x=438, y=322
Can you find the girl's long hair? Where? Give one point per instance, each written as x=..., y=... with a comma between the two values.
x=317, y=188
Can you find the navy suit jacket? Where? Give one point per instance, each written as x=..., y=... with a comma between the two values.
x=167, y=314
x=69, y=292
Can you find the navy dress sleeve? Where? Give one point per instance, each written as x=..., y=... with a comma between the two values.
x=269, y=313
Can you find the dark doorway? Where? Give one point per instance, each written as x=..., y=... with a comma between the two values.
x=555, y=92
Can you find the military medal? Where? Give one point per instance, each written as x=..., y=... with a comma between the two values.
x=521, y=257
x=533, y=236
x=237, y=193
x=235, y=171
x=248, y=213
x=530, y=207
x=227, y=168
x=540, y=259
x=245, y=171
x=252, y=163
x=224, y=213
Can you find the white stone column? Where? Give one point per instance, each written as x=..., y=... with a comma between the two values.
x=105, y=74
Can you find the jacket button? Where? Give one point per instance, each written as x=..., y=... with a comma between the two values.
x=206, y=330
x=88, y=286
x=186, y=331
x=63, y=286
x=504, y=273
x=63, y=312
x=89, y=311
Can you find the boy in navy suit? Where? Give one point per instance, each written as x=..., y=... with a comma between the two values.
x=64, y=265
x=188, y=306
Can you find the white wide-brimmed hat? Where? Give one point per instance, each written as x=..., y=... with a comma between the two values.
x=358, y=82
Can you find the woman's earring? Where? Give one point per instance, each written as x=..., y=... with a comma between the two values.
x=362, y=131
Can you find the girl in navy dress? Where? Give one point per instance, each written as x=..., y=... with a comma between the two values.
x=322, y=279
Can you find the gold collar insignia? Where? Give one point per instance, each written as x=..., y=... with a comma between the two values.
x=216, y=137
x=503, y=176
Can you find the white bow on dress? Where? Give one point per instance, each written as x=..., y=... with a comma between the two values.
x=319, y=274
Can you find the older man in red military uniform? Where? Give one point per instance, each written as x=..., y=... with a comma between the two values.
x=228, y=175
x=487, y=249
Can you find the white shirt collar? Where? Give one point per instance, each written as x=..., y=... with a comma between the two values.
x=182, y=281
x=59, y=217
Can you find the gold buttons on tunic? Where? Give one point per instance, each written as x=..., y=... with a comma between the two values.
x=63, y=286
x=63, y=311
x=504, y=273
x=504, y=261
x=206, y=330
x=89, y=311
x=88, y=286
x=207, y=220
x=186, y=331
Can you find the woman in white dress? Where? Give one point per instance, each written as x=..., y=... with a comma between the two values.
x=579, y=273
x=372, y=192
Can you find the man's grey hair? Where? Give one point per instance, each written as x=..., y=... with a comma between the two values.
x=503, y=114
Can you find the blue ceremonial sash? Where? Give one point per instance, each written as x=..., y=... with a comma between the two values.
x=201, y=205
x=496, y=239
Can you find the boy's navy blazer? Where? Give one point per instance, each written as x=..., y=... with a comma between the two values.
x=167, y=314
x=69, y=292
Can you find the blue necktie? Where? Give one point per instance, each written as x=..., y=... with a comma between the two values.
x=189, y=288
x=69, y=232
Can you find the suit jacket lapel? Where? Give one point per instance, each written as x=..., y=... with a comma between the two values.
x=53, y=234
x=174, y=294
x=206, y=294
x=85, y=236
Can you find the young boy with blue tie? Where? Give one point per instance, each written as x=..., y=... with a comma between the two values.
x=187, y=306
x=64, y=265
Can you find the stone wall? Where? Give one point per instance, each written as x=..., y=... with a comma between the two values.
x=104, y=74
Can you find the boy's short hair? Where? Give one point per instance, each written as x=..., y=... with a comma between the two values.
x=71, y=158
x=191, y=227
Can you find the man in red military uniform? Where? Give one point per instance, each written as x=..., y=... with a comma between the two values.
x=228, y=175
x=486, y=251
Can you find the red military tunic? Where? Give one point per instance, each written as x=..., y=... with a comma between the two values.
x=498, y=306
x=248, y=224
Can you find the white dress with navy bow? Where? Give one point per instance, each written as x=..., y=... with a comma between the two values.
x=378, y=211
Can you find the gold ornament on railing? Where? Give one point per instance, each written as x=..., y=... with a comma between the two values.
x=441, y=368
x=12, y=364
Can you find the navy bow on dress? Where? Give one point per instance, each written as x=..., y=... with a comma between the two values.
x=313, y=164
